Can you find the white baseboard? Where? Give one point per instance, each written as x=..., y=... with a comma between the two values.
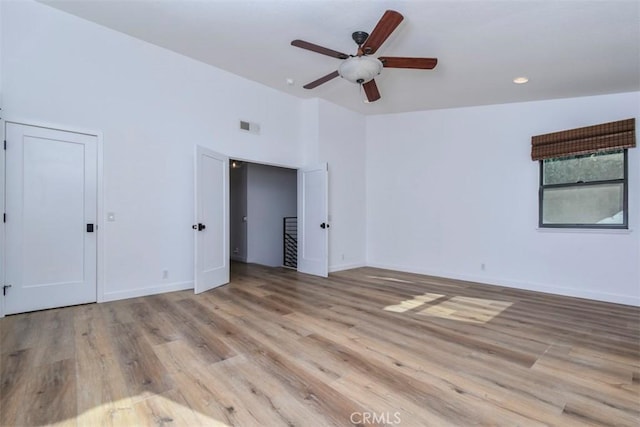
x=340, y=267
x=143, y=292
x=537, y=287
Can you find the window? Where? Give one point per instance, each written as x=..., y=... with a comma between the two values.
x=587, y=191
x=583, y=175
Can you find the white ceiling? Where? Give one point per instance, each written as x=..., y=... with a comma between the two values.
x=567, y=48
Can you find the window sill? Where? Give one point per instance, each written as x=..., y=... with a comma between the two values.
x=585, y=230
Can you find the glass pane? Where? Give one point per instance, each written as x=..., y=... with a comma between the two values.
x=591, y=204
x=592, y=167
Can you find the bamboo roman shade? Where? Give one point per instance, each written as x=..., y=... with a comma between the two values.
x=587, y=140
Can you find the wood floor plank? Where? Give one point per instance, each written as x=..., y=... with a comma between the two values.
x=56, y=337
x=108, y=415
x=51, y=394
x=103, y=396
x=118, y=312
x=384, y=402
x=224, y=399
x=142, y=370
x=198, y=385
x=14, y=368
x=169, y=409
x=155, y=327
x=526, y=401
x=268, y=409
x=590, y=411
x=273, y=393
x=280, y=348
x=20, y=332
x=201, y=393
x=308, y=388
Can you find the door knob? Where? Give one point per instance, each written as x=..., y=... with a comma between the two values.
x=199, y=227
x=324, y=225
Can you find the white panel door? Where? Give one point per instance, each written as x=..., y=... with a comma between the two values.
x=313, y=224
x=50, y=252
x=212, y=220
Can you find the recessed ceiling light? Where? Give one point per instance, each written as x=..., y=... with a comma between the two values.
x=520, y=80
x=290, y=81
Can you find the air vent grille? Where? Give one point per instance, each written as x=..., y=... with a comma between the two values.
x=249, y=127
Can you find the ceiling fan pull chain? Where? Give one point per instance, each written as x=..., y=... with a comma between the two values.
x=363, y=94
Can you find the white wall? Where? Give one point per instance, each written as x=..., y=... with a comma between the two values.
x=238, y=213
x=450, y=190
x=337, y=136
x=271, y=196
x=399, y=200
x=152, y=107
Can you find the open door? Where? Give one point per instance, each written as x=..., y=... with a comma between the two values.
x=313, y=223
x=212, y=220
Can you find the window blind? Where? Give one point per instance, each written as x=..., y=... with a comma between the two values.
x=586, y=140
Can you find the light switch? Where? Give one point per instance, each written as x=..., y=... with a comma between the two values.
x=111, y=216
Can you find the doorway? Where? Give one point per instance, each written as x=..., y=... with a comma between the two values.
x=260, y=197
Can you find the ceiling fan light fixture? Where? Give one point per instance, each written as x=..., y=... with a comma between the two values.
x=360, y=69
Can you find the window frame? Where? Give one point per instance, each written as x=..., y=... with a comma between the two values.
x=625, y=197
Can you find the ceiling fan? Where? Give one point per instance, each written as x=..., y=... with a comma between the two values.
x=362, y=68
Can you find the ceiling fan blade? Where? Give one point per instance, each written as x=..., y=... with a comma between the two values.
x=371, y=90
x=400, y=62
x=389, y=21
x=321, y=80
x=319, y=49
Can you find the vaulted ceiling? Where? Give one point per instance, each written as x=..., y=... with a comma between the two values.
x=565, y=48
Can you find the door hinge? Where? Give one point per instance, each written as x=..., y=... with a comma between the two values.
x=4, y=217
x=4, y=289
x=5, y=144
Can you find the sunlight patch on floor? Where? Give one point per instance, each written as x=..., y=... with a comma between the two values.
x=389, y=279
x=410, y=304
x=467, y=309
x=154, y=410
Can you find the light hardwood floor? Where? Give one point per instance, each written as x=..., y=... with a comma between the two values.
x=366, y=346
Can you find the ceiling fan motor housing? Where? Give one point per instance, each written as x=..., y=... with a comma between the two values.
x=360, y=37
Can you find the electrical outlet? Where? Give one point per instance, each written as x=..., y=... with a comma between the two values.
x=482, y=267
x=165, y=274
